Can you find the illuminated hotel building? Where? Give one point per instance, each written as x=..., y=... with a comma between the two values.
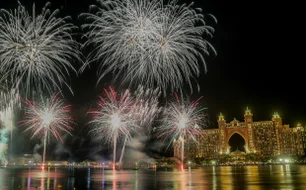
x=264, y=138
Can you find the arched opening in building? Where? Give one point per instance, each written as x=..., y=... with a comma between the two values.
x=237, y=142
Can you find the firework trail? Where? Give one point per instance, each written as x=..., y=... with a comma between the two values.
x=147, y=42
x=9, y=100
x=47, y=118
x=36, y=49
x=181, y=120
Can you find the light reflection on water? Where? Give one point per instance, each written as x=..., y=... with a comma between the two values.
x=208, y=178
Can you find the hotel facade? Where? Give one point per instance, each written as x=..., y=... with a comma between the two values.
x=262, y=138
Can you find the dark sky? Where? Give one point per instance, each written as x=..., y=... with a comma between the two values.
x=259, y=62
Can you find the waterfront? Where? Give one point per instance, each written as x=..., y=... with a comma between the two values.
x=283, y=177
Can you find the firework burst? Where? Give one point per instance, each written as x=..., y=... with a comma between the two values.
x=119, y=116
x=147, y=42
x=113, y=119
x=114, y=116
x=46, y=118
x=181, y=120
x=35, y=49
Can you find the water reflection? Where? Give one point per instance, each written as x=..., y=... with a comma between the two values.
x=214, y=178
x=103, y=182
x=252, y=177
x=207, y=178
x=226, y=180
x=182, y=179
x=42, y=183
x=282, y=170
x=29, y=180
x=114, y=179
x=271, y=169
x=136, y=180
x=88, y=178
x=70, y=181
x=189, y=178
x=285, y=171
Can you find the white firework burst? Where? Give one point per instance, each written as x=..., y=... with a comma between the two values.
x=148, y=43
x=36, y=49
x=121, y=116
x=113, y=119
x=182, y=119
x=47, y=118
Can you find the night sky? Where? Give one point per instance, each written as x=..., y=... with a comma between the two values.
x=259, y=62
